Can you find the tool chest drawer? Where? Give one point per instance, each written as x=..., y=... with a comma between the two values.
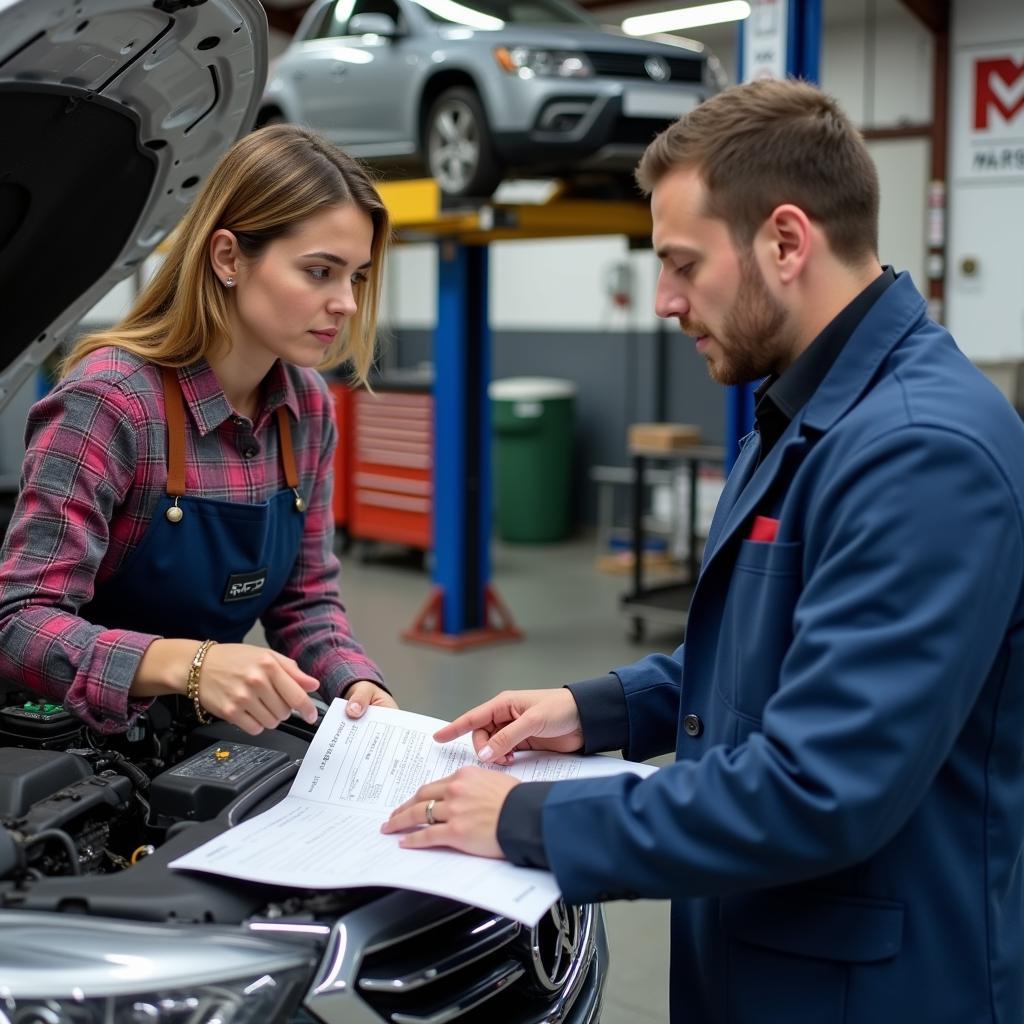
x=391, y=469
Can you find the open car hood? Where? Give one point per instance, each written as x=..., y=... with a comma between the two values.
x=112, y=112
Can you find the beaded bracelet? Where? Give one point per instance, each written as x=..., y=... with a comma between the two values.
x=192, y=683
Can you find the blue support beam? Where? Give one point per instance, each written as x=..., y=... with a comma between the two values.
x=462, y=437
x=804, y=50
x=803, y=60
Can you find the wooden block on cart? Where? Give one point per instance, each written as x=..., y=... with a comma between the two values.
x=663, y=436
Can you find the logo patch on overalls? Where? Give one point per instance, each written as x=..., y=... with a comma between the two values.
x=243, y=585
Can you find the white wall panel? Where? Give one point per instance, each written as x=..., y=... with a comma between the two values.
x=880, y=72
x=902, y=70
x=903, y=166
x=555, y=284
x=410, y=288
x=842, y=69
x=985, y=270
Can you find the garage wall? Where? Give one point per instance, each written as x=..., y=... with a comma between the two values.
x=985, y=271
x=551, y=309
x=551, y=312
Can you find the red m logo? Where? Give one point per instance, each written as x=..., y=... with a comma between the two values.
x=998, y=86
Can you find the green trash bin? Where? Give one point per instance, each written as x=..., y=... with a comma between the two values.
x=532, y=418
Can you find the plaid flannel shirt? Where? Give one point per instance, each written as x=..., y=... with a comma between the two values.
x=95, y=469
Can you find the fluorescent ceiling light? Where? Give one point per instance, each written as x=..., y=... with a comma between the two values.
x=686, y=17
x=462, y=15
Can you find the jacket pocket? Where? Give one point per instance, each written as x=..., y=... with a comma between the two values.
x=757, y=624
x=845, y=928
x=796, y=959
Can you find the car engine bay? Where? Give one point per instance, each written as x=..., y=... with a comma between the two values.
x=90, y=822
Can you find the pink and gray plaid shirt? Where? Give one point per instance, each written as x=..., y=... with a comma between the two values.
x=95, y=469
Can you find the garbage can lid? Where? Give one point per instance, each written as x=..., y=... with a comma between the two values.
x=520, y=389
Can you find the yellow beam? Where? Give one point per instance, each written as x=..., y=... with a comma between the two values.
x=417, y=215
x=411, y=202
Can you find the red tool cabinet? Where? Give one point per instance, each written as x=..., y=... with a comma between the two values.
x=385, y=465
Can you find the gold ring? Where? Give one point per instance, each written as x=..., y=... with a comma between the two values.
x=430, y=812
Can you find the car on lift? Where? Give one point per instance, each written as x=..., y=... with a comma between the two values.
x=471, y=91
x=112, y=112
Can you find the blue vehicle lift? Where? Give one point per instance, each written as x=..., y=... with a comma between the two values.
x=463, y=609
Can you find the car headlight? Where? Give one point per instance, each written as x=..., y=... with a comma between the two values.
x=58, y=969
x=715, y=73
x=526, y=62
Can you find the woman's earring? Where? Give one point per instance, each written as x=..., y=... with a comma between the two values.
x=229, y=282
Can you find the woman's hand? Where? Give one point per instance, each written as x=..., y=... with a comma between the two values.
x=364, y=694
x=254, y=688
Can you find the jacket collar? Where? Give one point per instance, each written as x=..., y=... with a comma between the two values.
x=887, y=322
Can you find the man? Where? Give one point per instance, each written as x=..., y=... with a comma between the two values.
x=841, y=833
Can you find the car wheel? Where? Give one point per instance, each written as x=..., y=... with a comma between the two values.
x=458, y=143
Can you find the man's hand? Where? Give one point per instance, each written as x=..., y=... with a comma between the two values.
x=464, y=808
x=519, y=720
x=364, y=694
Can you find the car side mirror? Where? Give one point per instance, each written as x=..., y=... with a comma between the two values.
x=372, y=24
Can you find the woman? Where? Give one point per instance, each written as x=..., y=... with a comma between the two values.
x=176, y=484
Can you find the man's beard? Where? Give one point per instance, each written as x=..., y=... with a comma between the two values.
x=752, y=332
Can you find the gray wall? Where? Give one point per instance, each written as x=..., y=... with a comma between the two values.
x=618, y=383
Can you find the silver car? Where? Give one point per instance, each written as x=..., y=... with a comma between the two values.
x=113, y=113
x=477, y=90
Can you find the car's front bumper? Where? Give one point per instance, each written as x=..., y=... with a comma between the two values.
x=585, y=123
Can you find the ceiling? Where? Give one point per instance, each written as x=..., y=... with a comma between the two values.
x=284, y=15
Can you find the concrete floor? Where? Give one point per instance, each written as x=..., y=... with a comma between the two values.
x=573, y=629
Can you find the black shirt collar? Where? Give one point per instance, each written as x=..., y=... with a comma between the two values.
x=779, y=398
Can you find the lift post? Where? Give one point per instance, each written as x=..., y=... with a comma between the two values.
x=779, y=39
x=463, y=609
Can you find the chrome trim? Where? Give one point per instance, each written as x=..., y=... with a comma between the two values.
x=398, y=916
x=552, y=965
x=456, y=961
x=337, y=996
x=657, y=69
x=487, y=988
x=574, y=108
x=578, y=975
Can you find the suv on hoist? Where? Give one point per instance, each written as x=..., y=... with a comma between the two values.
x=473, y=90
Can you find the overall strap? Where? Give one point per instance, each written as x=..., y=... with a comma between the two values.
x=174, y=409
x=174, y=406
x=284, y=437
x=291, y=473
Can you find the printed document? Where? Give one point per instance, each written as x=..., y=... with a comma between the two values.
x=325, y=834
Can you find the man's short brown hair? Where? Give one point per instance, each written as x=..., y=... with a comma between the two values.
x=765, y=143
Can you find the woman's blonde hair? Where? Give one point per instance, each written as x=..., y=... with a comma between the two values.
x=264, y=185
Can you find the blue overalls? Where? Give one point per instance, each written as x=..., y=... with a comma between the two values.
x=204, y=569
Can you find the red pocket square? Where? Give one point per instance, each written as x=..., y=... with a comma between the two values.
x=764, y=529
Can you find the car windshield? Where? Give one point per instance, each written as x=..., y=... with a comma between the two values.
x=495, y=14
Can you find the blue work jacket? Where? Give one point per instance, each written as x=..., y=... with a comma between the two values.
x=841, y=833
